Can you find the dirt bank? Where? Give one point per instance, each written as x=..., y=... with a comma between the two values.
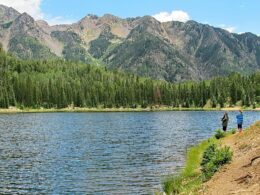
x=242, y=175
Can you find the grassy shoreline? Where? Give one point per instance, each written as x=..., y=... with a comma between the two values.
x=190, y=174
x=189, y=179
x=148, y=109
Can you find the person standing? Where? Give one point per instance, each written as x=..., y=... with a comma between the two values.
x=240, y=121
x=225, y=121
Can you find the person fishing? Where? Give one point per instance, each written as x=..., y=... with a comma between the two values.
x=225, y=121
x=240, y=121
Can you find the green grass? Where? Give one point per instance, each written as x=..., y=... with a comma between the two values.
x=203, y=160
x=190, y=177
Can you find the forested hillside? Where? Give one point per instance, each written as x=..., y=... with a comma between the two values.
x=60, y=83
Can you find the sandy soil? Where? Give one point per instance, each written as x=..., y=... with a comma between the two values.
x=242, y=175
x=232, y=108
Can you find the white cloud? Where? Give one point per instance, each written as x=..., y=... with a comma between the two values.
x=32, y=7
x=58, y=20
x=176, y=15
x=230, y=29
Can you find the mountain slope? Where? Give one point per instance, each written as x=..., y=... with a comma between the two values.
x=147, y=52
x=201, y=51
x=24, y=37
x=214, y=48
x=172, y=51
x=7, y=14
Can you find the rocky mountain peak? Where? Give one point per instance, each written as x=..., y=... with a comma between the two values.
x=110, y=19
x=89, y=17
x=147, y=24
x=3, y=7
x=248, y=34
x=24, y=18
x=148, y=19
x=42, y=23
x=7, y=14
x=24, y=24
x=87, y=22
x=92, y=17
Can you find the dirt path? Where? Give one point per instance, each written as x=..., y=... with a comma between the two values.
x=242, y=175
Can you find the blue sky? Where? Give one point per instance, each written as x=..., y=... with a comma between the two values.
x=235, y=15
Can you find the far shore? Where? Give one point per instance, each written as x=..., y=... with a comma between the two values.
x=121, y=109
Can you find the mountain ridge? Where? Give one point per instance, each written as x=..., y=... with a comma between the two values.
x=172, y=51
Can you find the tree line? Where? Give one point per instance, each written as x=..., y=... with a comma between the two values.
x=59, y=84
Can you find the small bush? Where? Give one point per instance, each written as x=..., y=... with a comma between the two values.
x=213, y=159
x=223, y=156
x=208, y=154
x=219, y=134
x=208, y=170
x=233, y=131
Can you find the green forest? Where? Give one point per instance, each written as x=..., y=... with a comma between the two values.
x=59, y=83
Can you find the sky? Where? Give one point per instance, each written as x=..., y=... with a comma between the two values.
x=237, y=16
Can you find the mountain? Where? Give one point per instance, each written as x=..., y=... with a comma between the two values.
x=172, y=51
x=148, y=52
x=7, y=14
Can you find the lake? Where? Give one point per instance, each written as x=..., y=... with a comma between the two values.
x=99, y=153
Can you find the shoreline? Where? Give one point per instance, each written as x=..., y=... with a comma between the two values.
x=243, y=153
x=15, y=110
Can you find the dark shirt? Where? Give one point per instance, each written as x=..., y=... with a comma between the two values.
x=225, y=120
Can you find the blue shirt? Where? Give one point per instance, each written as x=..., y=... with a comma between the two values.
x=239, y=118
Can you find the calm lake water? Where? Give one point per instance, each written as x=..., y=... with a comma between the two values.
x=99, y=153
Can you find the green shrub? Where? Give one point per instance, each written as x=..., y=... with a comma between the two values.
x=233, y=131
x=213, y=159
x=208, y=154
x=219, y=134
x=223, y=156
x=208, y=170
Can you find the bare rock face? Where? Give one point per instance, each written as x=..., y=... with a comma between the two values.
x=7, y=14
x=24, y=24
x=172, y=51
